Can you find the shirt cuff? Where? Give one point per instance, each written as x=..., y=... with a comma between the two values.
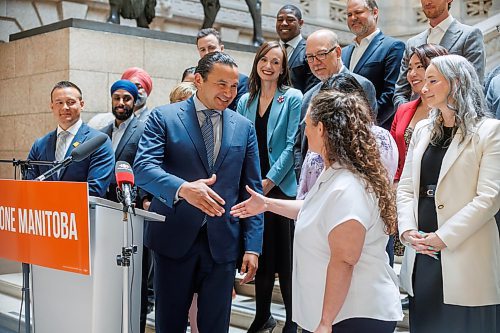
x=176, y=198
x=252, y=252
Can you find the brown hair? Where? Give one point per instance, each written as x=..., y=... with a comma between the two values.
x=254, y=79
x=426, y=52
x=349, y=141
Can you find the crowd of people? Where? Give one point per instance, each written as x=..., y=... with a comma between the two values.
x=316, y=169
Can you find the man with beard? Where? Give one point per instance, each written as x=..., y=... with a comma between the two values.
x=125, y=132
x=144, y=84
x=446, y=31
x=373, y=55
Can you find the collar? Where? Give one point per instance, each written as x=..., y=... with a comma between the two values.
x=292, y=42
x=199, y=106
x=124, y=124
x=444, y=25
x=367, y=40
x=138, y=112
x=73, y=129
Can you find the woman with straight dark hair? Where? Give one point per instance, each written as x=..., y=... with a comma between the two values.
x=274, y=108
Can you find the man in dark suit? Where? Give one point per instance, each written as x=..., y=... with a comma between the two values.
x=125, y=132
x=196, y=157
x=97, y=169
x=288, y=24
x=373, y=55
x=209, y=40
x=323, y=53
x=446, y=31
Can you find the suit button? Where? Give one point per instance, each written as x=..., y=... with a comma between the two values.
x=440, y=206
x=270, y=149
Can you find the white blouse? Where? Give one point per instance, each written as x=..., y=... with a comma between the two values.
x=339, y=196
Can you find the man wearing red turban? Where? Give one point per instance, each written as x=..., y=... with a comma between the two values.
x=144, y=84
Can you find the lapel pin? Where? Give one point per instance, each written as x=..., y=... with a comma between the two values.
x=76, y=144
x=281, y=99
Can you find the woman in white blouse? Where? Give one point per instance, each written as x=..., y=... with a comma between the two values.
x=341, y=278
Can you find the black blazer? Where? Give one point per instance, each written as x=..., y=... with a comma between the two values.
x=125, y=151
x=300, y=73
x=380, y=64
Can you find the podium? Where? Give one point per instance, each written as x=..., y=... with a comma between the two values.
x=69, y=302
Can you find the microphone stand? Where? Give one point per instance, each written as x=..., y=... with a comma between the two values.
x=24, y=165
x=123, y=259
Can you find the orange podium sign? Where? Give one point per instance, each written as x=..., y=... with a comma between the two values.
x=45, y=224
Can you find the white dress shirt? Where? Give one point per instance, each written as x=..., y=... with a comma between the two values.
x=72, y=130
x=118, y=132
x=292, y=45
x=338, y=196
x=360, y=48
x=436, y=33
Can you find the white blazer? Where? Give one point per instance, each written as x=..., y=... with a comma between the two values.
x=467, y=198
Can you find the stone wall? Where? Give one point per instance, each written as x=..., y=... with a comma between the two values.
x=29, y=67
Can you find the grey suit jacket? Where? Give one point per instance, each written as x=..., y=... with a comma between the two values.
x=301, y=145
x=459, y=39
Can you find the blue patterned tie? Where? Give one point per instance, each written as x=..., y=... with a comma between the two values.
x=207, y=130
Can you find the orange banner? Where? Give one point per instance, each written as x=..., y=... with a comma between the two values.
x=45, y=224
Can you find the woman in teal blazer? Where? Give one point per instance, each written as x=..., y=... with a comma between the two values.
x=274, y=109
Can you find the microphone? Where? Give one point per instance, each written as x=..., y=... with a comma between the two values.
x=125, y=181
x=77, y=155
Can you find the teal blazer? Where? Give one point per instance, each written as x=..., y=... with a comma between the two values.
x=281, y=130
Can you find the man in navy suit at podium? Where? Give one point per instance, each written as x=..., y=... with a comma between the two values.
x=66, y=103
x=196, y=157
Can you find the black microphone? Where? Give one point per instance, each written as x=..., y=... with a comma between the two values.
x=125, y=181
x=77, y=155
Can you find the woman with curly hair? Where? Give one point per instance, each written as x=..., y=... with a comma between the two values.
x=447, y=198
x=341, y=277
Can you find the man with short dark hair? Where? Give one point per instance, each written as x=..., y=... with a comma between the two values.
x=373, y=55
x=209, y=40
x=67, y=104
x=196, y=157
x=446, y=31
x=288, y=24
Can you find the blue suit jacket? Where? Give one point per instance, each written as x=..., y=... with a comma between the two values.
x=300, y=73
x=126, y=149
x=97, y=169
x=282, y=127
x=380, y=64
x=171, y=152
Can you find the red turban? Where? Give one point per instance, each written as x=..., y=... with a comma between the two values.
x=141, y=76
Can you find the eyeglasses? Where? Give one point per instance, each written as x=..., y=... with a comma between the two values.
x=320, y=55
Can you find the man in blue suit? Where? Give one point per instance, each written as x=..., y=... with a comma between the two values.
x=209, y=40
x=97, y=169
x=373, y=55
x=288, y=25
x=196, y=157
x=323, y=53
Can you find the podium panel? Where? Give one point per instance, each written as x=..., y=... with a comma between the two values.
x=68, y=302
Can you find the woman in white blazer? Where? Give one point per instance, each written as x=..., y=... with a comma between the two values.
x=274, y=109
x=447, y=198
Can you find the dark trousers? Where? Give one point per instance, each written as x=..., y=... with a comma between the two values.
x=362, y=325
x=176, y=280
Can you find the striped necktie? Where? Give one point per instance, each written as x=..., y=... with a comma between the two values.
x=61, y=149
x=207, y=130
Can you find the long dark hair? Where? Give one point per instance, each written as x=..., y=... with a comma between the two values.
x=254, y=80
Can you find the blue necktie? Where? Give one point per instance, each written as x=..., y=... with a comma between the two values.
x=207, y=130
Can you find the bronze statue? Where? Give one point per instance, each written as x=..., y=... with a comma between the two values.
x=211, y=8
x=143, y=11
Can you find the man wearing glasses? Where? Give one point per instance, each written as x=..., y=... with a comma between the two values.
x=323, y=54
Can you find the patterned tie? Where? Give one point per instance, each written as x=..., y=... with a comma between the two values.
x=207, y=130
x=61, y=148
